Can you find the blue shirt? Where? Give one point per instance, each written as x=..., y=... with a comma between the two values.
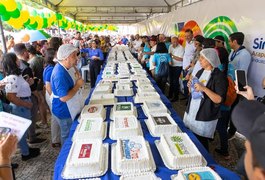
x=93, y=52
x=167, y=45
x=61, y=84
x=47, y=73
x=160, y=57
x=124, y=41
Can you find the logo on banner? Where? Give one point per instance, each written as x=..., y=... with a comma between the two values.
x=221, y=25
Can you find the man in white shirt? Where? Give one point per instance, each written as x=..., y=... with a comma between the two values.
x=176, y=51
x=188, y=56
x=136, y=46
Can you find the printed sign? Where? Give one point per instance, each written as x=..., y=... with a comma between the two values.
x=123, y=107
x=85, y=151
x=131, y=149
x=92, y=109
x=17, y=124
x=162, y=120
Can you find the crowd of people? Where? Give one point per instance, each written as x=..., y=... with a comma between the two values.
x=45, y=76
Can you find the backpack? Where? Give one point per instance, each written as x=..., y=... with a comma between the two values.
x=163, y=68
x=231, y=92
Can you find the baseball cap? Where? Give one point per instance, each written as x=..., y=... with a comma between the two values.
x=249, y=119
x=65, y=51
x=219, y=38
x=245, y=115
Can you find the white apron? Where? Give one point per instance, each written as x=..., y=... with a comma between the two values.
x=201, y=128
x=76, y=103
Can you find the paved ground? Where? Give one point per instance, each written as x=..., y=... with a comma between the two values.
x=41, y=168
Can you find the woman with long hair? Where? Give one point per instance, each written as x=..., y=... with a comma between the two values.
x=50, y=55
x=19, y=94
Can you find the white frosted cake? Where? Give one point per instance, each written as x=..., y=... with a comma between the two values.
x=146, y=88
x=142, y=176
x=154, y=106
x=141, y=97
x=201, y=173
x=110, y=77
x=180, y=151
x=89, y=129
x=132, y=155
x=106, y=83
x=123, y=109
x=102, y=89
x=125, y=126
x=125, y=82
x=85, y=158
x=104, y=99
x=94, y=111
x=123, y=90
x=161, y=123
x=142, y=81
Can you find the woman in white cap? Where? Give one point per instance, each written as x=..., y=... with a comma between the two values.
x=208, y=90
x=66, y=89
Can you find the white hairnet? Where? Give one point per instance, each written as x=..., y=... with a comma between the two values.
x=65, y=51
x=210, y=54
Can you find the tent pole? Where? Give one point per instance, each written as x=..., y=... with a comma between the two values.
x=3, y=40
x=58, y=28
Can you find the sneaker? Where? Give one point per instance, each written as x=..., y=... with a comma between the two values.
x=14, y=165
x=37, y=141
x=33, y=152
x=225, y=154
x=54, y=145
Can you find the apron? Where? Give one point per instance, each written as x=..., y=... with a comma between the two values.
x=76, y=103
x=201, y=128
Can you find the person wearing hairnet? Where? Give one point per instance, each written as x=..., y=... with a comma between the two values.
x=66, y=93
x=208, y=90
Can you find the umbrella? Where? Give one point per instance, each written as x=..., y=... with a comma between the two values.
x=32, y=35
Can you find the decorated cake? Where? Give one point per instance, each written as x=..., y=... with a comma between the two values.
x=85, y=159
x=146, y=88
x=141, y=97
x=154, y=106
x=180, y=151
x=161, y=123
x=125, y=82
x=123, y=90
x=94, y=111
x=104, y=99
x=142, y=81
x=142, y=176
x=125, y=126
x=201, y=173
x=132, y=155
x=102, y=89
x=89, y=129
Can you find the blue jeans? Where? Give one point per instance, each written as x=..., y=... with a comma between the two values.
x=185, y=83
x=65, y=126
x=174, y=73
x=25, y=113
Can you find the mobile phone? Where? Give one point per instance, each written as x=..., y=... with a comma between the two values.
x=241, y=80
x=4, y=131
